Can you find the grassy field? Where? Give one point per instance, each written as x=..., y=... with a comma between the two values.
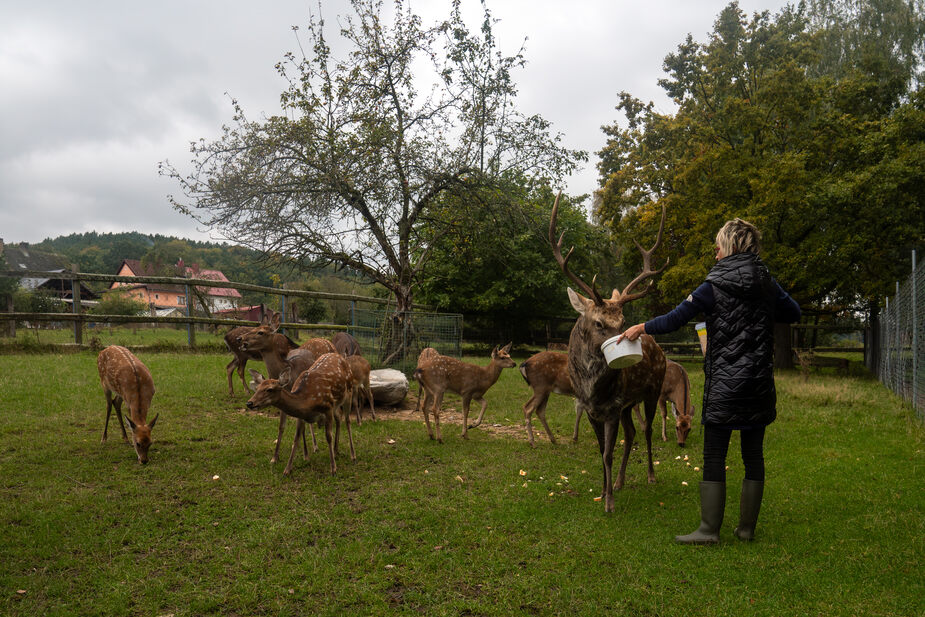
x=479, y=527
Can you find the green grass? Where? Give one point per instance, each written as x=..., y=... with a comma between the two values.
x=416, y=527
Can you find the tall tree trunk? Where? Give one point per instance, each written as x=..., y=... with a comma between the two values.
x=872, y=338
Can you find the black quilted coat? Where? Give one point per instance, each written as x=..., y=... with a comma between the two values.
x=739, y=364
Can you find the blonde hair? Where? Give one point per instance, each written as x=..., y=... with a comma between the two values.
x=738, y=236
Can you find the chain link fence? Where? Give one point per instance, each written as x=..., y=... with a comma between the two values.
x=395, y=339
x=902, y=340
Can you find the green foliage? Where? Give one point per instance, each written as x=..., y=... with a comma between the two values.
x=37, y=301
x=497, y=261
x=119, y=302
x=8, y=286
x=828, y=163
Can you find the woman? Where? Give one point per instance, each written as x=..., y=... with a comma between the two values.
x=741, y=303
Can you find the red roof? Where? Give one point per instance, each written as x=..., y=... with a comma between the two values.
x=209, y=275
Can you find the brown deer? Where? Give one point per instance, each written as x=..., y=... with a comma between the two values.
x=360, y=368
x=273, y=349
x=345, y=344
x=318, y=346
x=546, y=372
x=437, y=374
x=608, y=395
x=320, y=395
x=125, y=378
x=426, y=353
x=239, y=361
x=676, y=389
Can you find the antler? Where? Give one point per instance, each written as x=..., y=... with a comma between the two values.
x=591, y=290
x=647, y=271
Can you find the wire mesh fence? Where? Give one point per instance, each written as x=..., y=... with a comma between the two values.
x=902, y=340
x=395, y=339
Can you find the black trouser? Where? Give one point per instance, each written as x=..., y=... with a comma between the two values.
x=716, y=445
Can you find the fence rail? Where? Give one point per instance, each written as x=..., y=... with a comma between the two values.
x=902, y=340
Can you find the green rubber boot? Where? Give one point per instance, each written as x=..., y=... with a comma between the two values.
x=750, y=505
x=712, y=506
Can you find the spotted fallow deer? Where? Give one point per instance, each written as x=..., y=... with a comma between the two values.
x=608, y=395
x=437, y=374
x=546, y=372
x=676, y=389
x=125, y=378
x=239, y=361
x=320, y=395
x=360, y=368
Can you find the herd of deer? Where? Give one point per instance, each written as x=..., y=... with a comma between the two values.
x=321, y=381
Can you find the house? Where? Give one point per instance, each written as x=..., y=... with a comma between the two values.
x=163, y=296
x=22, y=257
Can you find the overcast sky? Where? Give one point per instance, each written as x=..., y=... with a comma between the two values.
x=94, y=94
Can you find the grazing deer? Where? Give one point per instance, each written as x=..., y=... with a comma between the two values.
x=676, y=389
x=546, y=372
x=320, y=395
x=608, y=395
x=360, y=368
x=437, y=374
x=345, y=344
x=239, y=362
x=125, y=378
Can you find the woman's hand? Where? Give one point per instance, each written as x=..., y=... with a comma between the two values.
x=633, y=332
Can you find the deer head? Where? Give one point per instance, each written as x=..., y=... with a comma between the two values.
x=261, y=337
x=268, y=393
x=141, y=438
x=602, y=318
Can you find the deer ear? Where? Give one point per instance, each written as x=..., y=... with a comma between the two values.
x=285, y=376
x=615, y=295
x=507, y=348
x=150, y=426
x=256, y=375
x=579, y=302
x=275, y=321
x=130, y=423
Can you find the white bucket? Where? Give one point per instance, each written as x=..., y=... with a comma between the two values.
x=702, y=335
x=622, y=354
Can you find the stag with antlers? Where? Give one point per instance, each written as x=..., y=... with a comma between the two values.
x=608, y=395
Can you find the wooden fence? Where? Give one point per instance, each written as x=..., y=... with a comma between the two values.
x=79, y=317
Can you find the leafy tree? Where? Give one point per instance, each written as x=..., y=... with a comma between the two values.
x=370, y=145
x=119, y=302
x=499, y=264
x=829, y=166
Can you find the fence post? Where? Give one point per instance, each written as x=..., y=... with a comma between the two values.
x=190, y=327
x=75, y=307
x=11, y=309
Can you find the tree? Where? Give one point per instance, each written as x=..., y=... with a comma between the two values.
x=370, y=146
x=829, y=166
x=499, y=263
x=119, y=302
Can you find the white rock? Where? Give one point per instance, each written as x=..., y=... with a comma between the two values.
x=389, y=386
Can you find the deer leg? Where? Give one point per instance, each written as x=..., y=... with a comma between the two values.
x=311, y=429
x=541, y=413
x=117, y=403
x=638, y=415
x=355, y=401
x=372, y=404
x=242, y=365
x=629, y=433
x=353, y=454
x=528, y=410
x=336, y=432
x=438, y=401
x=279, y=436
x=611, y=430
x=108, y=394
x=422, y=404
x=229, y=371
x=299, y=432
x=330, y=438
x=663, y=407
x=578, y=410
x=484, y=404
x=650, y=416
